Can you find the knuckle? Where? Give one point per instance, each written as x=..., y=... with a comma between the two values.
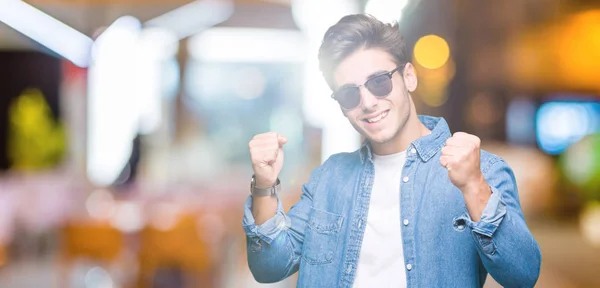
x=473, y=146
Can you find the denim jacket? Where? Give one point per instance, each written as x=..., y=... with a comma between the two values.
x=322, y=233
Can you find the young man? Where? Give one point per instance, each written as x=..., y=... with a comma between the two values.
x=415, y=206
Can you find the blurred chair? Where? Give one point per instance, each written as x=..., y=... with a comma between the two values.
x=90, y=240
x=3, y=255
x=176, y=248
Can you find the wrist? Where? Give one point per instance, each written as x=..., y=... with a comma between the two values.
x=264, y=184
x=267, y=190
x=475, y=186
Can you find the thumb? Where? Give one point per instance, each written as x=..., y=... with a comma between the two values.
x=281, y=139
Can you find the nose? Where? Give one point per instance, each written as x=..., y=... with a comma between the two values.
x=369, y=101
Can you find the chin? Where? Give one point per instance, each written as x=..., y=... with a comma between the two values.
x=380, y=138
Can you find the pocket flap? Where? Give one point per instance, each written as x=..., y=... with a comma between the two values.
x=324, y=222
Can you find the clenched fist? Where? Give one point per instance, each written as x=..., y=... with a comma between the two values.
x=266, y=154
x=461, y=157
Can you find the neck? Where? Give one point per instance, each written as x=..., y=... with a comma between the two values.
x=412, y=130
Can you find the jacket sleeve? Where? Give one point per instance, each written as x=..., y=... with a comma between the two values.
x=274, y=248
x=504, y=243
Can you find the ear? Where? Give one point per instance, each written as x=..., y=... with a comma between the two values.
x=410, y=77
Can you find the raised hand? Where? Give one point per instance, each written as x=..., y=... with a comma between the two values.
x=266, y=154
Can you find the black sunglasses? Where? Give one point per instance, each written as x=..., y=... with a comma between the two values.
x=380, y=86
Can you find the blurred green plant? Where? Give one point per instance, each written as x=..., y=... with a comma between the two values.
x=35, y=141
x=581, y=165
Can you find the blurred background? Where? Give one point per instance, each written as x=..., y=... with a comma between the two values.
x=124, y=125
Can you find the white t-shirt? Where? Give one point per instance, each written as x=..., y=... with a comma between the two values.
x=381, y=262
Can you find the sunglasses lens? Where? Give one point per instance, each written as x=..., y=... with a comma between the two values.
x=348, y=97
x=380, y=86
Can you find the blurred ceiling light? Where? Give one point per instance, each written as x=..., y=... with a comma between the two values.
x=126, y=81
x=46, y=30
x=247, y=45
x=158, y=43
x=314, y=17
x=431, y=51
x=124, y=30
x=113, y=117
x=194, y=17
x=386, y=10
x=155, y=47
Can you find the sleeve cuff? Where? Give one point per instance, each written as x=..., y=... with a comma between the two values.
x=269, y=230
x=492, y=216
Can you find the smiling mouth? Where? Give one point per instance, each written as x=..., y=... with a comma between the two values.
x=377, y=118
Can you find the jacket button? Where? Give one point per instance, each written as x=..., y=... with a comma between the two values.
x=409, y=267
x=405, y=222
x=405, y=179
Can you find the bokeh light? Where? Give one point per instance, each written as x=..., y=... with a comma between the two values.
x=559, y=124
x=483, y=109
x=581, y=165
x=589, y=219
x=540, y=59
x=164, y=216
x=433, y=83
x=100, y=204
x=431, y=51
x=98, y=277
x=520, y=121
x=128, y=217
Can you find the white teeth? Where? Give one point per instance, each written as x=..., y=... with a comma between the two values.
x=377, y=118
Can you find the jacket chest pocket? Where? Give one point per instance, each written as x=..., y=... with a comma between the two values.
x=321, y=237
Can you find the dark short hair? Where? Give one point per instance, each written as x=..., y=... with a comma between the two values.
x=359, y=31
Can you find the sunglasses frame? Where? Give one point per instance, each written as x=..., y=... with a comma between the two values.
x=388, y=74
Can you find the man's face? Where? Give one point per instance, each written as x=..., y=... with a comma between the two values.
x=379, y=119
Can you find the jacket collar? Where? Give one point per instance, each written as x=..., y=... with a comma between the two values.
x=426, y=146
